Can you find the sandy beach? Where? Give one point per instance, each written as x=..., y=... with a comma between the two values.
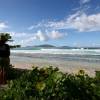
x=25, y=62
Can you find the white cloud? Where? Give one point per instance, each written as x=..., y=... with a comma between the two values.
x=17, y=35
x=84, y=22
x=40, y=36
x=22, y=39
x=84, y=1
x=25, y=39
x=56, y=35
x=48, y=35
x=3, y=26
x=34, y=26
x=39, y=25
x=31, y=27
x=79, y=21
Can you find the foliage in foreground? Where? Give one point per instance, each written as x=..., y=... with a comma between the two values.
x=51, y=84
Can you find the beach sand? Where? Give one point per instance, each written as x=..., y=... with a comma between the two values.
x=64, y=66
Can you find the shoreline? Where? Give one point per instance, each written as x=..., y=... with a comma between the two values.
x=24, y=62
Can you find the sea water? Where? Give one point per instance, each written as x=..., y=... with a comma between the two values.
x=85, y=55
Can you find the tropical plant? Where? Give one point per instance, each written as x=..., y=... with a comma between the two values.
x=52, y=84
x=5, y=36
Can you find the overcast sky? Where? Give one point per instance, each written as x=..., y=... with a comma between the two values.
x=56, y=22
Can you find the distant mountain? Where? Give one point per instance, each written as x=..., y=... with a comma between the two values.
x=45, y=46
x=36, y=47
x=66, y=47
x=48, y=46
x=91, y=47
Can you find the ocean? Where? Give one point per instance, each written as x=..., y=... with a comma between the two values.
x=84, y=55
x=67, y=60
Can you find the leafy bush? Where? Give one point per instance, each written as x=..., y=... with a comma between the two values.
x=51, y=84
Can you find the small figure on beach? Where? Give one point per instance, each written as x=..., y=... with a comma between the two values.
x=4, y=57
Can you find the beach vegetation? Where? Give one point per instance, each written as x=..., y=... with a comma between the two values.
x=5, y=36
x=51, y=84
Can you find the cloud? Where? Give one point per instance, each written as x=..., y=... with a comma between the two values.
x=25, y=39
x=79, y=21
x=40, y=36
x=22, y=39
x=31, y=27
x=3, y=26
x=35, y=26
x=84, y=22
x=48, y=35
x=56, y=35
x=18, y=35
x=39, y=25
x=84, y=1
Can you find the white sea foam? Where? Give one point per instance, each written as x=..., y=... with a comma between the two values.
x=61, y=51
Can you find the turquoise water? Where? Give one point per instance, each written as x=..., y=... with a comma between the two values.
x=84, y=55
x=60, y=51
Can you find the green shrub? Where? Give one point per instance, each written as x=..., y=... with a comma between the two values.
x=51, y=84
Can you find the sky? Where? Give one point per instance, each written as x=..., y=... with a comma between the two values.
x=55, y=22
